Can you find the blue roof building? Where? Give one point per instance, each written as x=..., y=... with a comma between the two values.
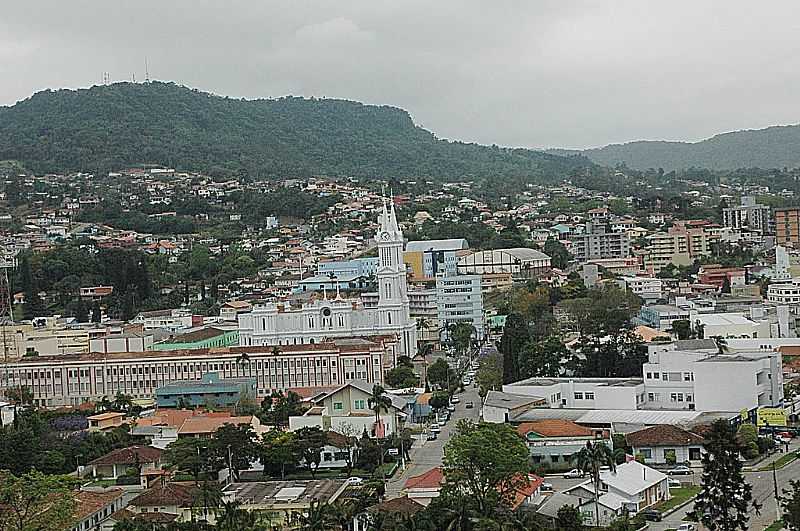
x=211, y=390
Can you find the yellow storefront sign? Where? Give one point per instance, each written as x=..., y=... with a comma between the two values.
x=772, y=416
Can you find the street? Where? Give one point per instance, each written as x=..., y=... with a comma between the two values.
x=428, y=454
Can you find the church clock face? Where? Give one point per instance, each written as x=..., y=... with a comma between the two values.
x=385, y=236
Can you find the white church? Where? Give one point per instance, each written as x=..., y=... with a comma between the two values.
x=323, y=319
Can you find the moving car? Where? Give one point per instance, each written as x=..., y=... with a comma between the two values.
x=469, y=405
x=546, y=487
x=431, y=436
x=573, y=474
x=651, y=515
x=680, y=470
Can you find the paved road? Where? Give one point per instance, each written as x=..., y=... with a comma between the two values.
x=428, y=454
x=763, y=492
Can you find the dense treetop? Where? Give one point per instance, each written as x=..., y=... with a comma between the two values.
x=773, y=147
x=112, y=126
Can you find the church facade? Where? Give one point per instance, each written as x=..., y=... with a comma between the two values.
x=319, y=320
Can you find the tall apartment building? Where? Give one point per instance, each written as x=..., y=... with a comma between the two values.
x=749, y=215
x=598, y=242
x=428, y=258
x=680, y=245
x=73, y=379
x=459, y=299
x=787, y=226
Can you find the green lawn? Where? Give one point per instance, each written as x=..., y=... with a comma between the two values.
x=678, y=496
x=781, y=462
x=776, y=526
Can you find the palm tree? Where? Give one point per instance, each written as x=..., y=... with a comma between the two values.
x=318, y=517
x=379, y=402
x=276, y=350
x=425, y=350
x=242, y=359
x=591, y=459
x=123, y=402
x=104, y=404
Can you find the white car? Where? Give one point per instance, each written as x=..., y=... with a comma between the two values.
x=573, y=474
x=451, y=408
x=355, y=480
x=435, y=428
x=685, y=527
x=455, y=400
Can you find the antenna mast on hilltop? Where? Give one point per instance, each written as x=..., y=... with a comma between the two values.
x=146, y=72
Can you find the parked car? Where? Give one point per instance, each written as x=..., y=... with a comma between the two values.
x=573, y=474
x=451, y=408
x=651, y=514
x=546, y=487
x=455, y=400
x=680, y=470
x=469, y=405
x=685, y=527
x=355, y=480
x=674, y=483
x=435, y=428
x=782, y=439
x=431, y=435
x=785, y=434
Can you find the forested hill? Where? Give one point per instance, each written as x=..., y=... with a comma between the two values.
x=113, y=126
x=773, y=147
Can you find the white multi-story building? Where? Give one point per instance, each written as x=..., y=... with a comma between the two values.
x=521, y=262
x=700, y=380
x=73, y=379
x=706, y=381
x=787, y=292
x=748, y=215
x=459, y=299
x=645, y=287
x=319, y=320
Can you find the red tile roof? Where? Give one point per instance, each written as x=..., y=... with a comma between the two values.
x=88, y=503
x=526, y=488
x=431, y=479
x=178, y=494
x=554, y=428
x=663, y=435
x=129, y=456
x=402, y=506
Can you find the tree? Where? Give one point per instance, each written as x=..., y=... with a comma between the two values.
x=682, y=328
x=20, y=395
x=489, y=375
x=569, y=518
x=726, y=498
x=591, y=459
x=189, y=455
x=278, y=449
x=379, y=402
x=310, y=441
x=234, y=445
x=278, y=407
x=790, y=503
x=747, y=439
x=36, y=502
x=439, y=399
x=515, y=336
x=559, y=256
x=402, y=377
x=488, y=462
x=543, y=358
x=439, y=372
x=461, y=334
x=81, y=312
x=97, y=313
x=123, y=402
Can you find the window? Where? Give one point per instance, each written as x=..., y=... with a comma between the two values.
x=589, y=396
x=359, y=404
x=665, y=376
x=688, y=398
x=655, y=376
x=649, y=375
x=651, y=397
x=647, y=453
x=578, y=396
x=338, y=406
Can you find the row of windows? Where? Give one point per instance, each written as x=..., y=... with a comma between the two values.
x=671, y=376
x=584, y=396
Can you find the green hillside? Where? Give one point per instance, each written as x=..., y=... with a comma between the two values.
x=773, y=147
x=113, y=126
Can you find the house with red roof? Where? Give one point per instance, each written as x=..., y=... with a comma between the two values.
x=424, y=487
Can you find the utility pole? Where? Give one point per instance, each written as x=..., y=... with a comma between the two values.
x=6, y=320
x=777, y=495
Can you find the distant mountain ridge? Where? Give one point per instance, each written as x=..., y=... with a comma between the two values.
x=113, y=126
x=772, y=147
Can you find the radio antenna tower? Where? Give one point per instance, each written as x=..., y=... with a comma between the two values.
x=146, y=72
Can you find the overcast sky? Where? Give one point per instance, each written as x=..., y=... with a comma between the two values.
x=525, y=73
